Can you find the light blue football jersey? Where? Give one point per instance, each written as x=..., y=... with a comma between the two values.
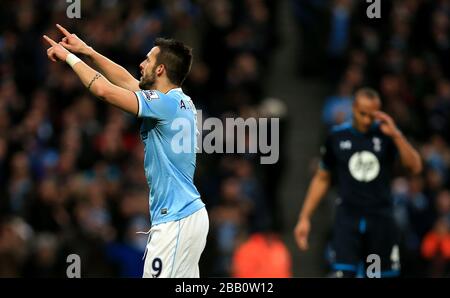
x=168, y=132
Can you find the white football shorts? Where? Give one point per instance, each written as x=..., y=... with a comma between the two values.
x=174, y=248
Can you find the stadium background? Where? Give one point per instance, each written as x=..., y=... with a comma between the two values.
x=71, y=172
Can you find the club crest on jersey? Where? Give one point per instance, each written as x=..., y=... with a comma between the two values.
x=150, y=95
x=376, y=144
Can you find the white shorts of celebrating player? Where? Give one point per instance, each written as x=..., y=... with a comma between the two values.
x=174, y=248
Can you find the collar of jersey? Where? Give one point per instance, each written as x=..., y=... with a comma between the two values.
x=175, y=89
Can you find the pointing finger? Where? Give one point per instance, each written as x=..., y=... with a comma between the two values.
x=49, y=40
x=63, y=30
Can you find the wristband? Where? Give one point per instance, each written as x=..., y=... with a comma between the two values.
x=72, y=60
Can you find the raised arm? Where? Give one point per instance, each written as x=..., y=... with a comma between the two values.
x=115, y=73
x=409, y=157
x=95, y=82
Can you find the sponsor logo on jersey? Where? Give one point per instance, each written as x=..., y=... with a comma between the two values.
x=364, y=166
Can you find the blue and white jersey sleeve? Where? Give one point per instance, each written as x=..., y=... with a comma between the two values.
x=154, y=104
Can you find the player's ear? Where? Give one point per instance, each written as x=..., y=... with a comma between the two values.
x=160, y=69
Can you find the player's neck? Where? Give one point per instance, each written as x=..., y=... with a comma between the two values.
x=165, y=87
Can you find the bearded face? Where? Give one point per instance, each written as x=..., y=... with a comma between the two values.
x=148, y=80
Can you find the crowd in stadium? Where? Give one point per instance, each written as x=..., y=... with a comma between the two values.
x=71, y=173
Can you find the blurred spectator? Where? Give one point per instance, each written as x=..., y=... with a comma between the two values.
x=311, y=17
x=436, y=249
x=338, y=108
x=15, y=239
x=44, y=258
x=262, y=255
x=128, y=255
x=229, y=221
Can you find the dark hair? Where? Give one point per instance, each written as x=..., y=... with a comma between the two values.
x=176, y=57
x=368, y=93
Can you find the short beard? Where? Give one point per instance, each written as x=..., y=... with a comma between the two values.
x=148, y=83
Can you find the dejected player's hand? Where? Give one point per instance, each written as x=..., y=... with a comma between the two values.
x=387, y=124
x=72, y=42
x=56, y=52
x=301, y=233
